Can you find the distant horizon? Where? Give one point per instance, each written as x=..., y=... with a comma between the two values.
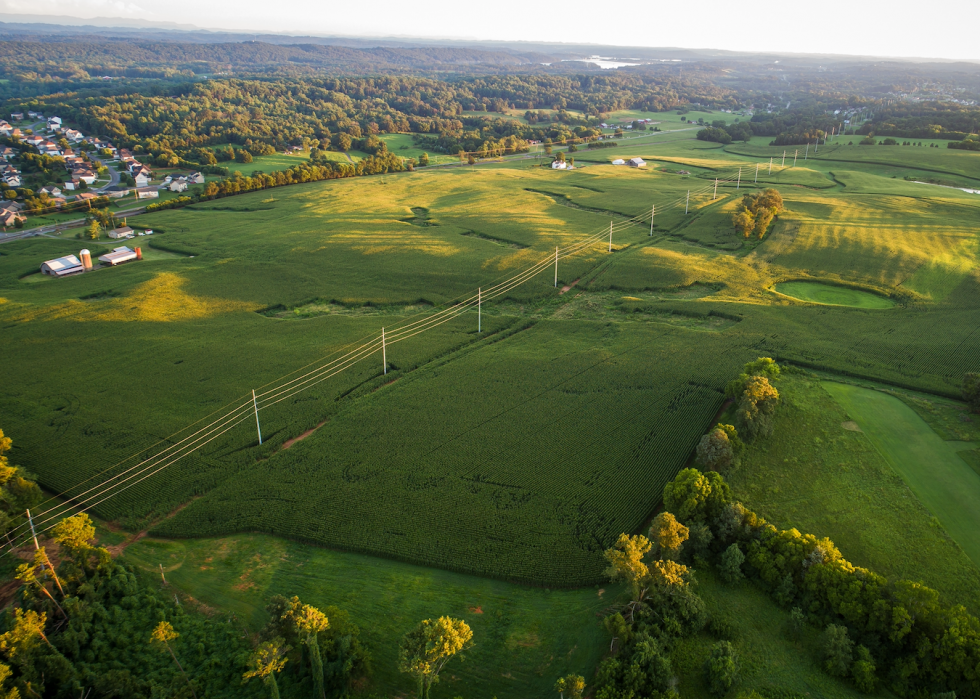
x=862, y=32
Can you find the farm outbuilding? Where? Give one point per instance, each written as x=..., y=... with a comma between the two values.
x=118, y=256
x=619, y=161
x=637, y=162
x=62, y=267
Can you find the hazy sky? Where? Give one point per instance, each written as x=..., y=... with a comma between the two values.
x=866, y=27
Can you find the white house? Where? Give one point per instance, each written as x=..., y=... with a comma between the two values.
x=54, y=122
x=195, y=178
x=142, y=180
x=122, y=233
x=637, y=162
x=619, y=161
x=147, y=193
x=178, y=186
x=51, y=190
x=12, y=181
x=73, y=135
x=17, y=116
x=62, y=267
x=559, y=165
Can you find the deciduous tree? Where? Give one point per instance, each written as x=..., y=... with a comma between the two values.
x=162, y=635
x=667, y=535
x=427, y=648
x=267, y=661
x=573, y=685
x=626, y=561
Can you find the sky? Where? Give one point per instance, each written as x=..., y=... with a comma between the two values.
x=857, y=27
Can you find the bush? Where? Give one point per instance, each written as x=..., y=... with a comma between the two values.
x=863, y=671
x=730, y=567
x=837, y=650
x=722, y=668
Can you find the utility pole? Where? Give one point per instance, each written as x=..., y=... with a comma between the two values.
x=479, y=310
x=653, y=210
x=756, y=181
x=33, y=533
x=610, y=236
x=795, y=156
x=816, y=145
x=784, y=161
x=687, y=204
x=162, y=576
x=384, y=352
x=807, y=151
x=258, y=427
x=715, y=195
x=770, y=164
x=556, y=267
x=738, y=184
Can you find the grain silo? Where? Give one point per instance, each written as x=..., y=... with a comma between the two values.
x=86, y=259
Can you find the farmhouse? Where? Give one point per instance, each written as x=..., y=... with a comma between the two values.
x=62, y=267
x=559, y=165
x=122, y=233
x=118, y=256
x=637, y=162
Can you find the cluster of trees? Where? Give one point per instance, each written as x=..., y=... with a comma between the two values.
x=924, y=120
x=720, y=132
x=663, y=608
x=756, y=212
x=971, y=142
x=876, y=632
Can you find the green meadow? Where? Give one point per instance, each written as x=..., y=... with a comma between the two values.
x=506, y=460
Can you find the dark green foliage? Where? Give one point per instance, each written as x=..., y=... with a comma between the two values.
x=837, y=650
x=971, y=391
x=863, y=671
x=722, y=668
x=730, y=566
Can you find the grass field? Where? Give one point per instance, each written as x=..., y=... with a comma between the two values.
x=816, y=292
x=823, y=473
x=941, y=480
x=525, y=638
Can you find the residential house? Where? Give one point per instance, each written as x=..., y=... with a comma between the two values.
x=136, y=169
x=17, y=116
x=12, y=181
x=178, y=186
x=118, y=193
x=6, y=129
x=34, y=140
x=147, y=193
x=122, y=233
x=10, y=218
x=7, y=152
x=17, y=133
x=58, y=202
x=54, y=122
x=85, y=196
x=13, y=206
x=141, y=180
x=86, y=176
x=195, y=178
x=34, y=115
x=73, y=135
x=559, y=165
x=51, y=190
x=71, y=185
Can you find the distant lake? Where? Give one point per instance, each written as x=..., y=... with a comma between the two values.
x=607, y=62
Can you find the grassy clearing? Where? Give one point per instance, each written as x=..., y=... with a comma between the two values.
x=942, y=481
x=525, y=637
x=773, y=660
x=814, y=292
x=818, y=473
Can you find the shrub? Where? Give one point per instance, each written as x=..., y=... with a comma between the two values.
x=863, y=671
x=837, y=650
x=731, y=564
x=971, y=391
x=722, y=668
